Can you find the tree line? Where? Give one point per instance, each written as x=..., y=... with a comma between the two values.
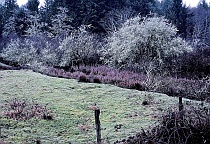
x=102, y=16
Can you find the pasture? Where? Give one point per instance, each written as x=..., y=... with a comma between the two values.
x=70, y=104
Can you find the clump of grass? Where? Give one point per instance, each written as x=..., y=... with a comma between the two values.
x=145, y=102
x=23, y=110
x=96, y=80
x=83, y=78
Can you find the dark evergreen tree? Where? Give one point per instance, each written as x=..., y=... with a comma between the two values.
x=56, y=4
x=1, y=19
x=33, y=5
x=89, y=12
x=46, y=11
x=21, y=21
x=166, y=8
x=10, y=8
x=178, y=14
x=84, y=12
x=158, y=7
x=190, y=24
x=144, y=7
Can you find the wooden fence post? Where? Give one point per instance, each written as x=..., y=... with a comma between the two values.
x=180, y=104
x=181, y=107
x=98, y=127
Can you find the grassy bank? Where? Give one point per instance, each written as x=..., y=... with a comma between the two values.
x=70, y=102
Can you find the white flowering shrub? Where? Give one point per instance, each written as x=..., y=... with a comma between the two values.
x=18, y=51
x=140, y=39
x=78, y=48
x=29, y=52
x=48, y=55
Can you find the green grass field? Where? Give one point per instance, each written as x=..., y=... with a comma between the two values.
x=69, y=101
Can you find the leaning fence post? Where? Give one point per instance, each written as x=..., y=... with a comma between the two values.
x=98, y=128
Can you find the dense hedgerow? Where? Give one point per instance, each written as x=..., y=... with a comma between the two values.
x=193, y=89
x=143, y=38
